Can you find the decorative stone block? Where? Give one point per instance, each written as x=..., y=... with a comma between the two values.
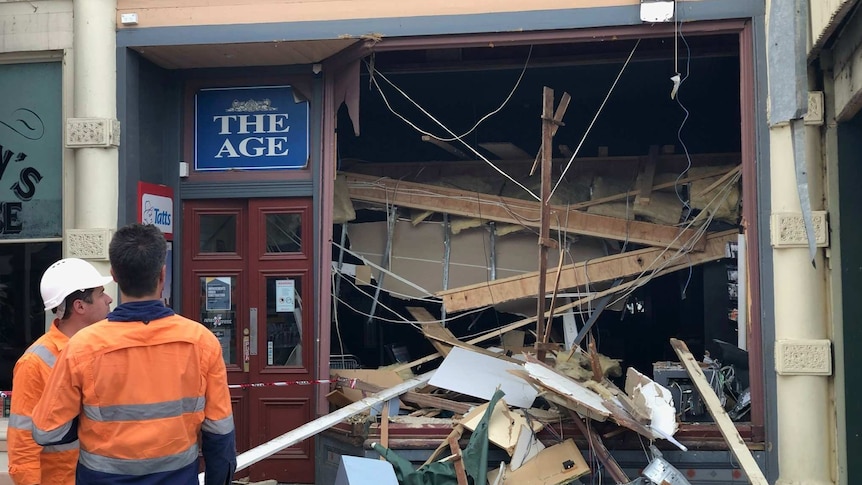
x=814, y=117
x=88, y=243
x=803, y=357
x=92, y=133
x=788, y=229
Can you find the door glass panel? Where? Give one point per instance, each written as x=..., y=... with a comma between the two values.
x=218, y=312
x=283, y=321
x=284, y=233
x=218, y=233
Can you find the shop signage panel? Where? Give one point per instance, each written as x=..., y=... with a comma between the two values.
x=284, y=296
x=250, y=128
x=218, y=294
x=156, y=206
x=31, y=151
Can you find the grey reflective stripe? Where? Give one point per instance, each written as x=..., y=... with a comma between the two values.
x=19, y=421
x=43, y=353
x=144, y=412
x=219, y=426
x=143, y=466
x=41, y=436
x=58, y=448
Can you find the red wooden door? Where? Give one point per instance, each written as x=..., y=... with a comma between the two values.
x=247, y=275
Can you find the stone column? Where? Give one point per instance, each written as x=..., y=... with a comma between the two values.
x=94, y=132
x=803, y=360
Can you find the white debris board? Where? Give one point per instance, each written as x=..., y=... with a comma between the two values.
x=479, y=376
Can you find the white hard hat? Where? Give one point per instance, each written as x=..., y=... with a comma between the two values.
x=67, y=276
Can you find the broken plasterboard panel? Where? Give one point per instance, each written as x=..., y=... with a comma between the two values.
x=555, y=465
x=527, y=447
x=354, y=470
x=567, y=387
x=505, y=425
x=653, y=400
x=417, y=254
x=479, y=376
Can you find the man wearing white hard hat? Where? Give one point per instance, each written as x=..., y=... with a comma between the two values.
x=74, y=291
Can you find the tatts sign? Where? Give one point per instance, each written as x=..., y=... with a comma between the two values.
x=156, y=206
x=256, y=128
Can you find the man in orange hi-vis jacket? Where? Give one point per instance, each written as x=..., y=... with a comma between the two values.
x=145, y=390
x=74, y=290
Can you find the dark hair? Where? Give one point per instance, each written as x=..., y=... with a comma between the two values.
x=86, y=295
x=137, y=254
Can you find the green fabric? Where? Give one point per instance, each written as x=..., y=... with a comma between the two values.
x=474, y=457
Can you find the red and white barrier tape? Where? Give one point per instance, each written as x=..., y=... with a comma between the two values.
x=350, y=382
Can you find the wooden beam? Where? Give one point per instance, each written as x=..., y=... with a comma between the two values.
x=565, y=99
x=457, y=463
x=498, y=332
x=445, y=146
x=420, y=398
x=574, y=275
x=720, y=181
x=646, y=177
x=514, y=211
x=545, y=214
x=598, y=448
x=635, y=192
x=437, y=333
x=719, y=415
x=505, y=150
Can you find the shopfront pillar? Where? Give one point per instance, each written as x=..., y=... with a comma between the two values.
x=803, y=360
x=93, y=132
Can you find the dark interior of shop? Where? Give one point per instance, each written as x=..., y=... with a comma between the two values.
x=460, y=86
x=22, y=318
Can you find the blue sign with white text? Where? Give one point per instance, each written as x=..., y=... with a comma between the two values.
x=256, y=128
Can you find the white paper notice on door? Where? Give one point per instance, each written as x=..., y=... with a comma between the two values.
x=284, y=295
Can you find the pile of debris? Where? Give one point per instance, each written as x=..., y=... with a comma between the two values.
x=510, y=398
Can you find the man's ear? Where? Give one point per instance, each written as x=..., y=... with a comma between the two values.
x=112, y=274
x=78, y=307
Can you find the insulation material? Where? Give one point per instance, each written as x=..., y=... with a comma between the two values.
x=342, y=206
x=575, y=189
x=728, y=210
x=417, y=254
x=663, y=208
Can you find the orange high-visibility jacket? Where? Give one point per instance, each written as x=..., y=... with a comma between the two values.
x=142, y=392
x=29, y=463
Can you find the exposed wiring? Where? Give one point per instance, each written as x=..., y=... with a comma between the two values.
x=648, y=273
x=502, y=172
x=699, y=234
x=403, y=319
x=596, y=117
x=678, y=98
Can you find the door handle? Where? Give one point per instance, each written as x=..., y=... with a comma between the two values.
x=252, y=325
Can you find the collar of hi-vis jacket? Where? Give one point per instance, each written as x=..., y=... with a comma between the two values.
x=140, y=311
x=58, y=338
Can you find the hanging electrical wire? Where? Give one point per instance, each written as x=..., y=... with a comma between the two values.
x=502, y=172
x=593, y=122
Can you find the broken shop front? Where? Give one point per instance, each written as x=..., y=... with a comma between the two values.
x=410, y=227
x=31, y=177
x=650, y=233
